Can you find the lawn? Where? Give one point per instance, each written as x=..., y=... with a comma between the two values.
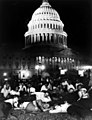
x=22, y=115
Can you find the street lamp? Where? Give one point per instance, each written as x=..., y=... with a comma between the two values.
x=42, y=67
x=39, y=68
x=4, y=74
x=6, y=79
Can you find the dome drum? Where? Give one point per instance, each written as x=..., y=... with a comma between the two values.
x=44, y=38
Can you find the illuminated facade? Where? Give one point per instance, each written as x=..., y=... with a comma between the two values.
x=45, y=44
x=46, y=41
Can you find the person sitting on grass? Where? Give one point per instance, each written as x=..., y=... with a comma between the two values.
x=83, y=106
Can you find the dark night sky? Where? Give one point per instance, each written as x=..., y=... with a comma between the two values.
x=75, y=14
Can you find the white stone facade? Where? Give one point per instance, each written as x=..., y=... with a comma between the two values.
x=45, y=25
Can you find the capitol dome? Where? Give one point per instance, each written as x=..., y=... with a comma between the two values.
x=45, y=24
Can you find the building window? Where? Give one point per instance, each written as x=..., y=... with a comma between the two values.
x=38, y=25
x=51, y=26
x=47, y=25
x=41, y=25
x=44, y=25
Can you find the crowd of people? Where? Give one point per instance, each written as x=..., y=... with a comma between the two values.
x=55, y=95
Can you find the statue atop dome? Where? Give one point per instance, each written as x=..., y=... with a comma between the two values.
x=45, y=0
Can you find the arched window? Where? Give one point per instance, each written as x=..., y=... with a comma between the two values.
x=41, y=25
x=47, y=25
x=44, y=25
x=51, y=26
x=38, y=25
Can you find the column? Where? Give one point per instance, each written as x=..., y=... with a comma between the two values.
x=54, y=38
x=38, y=38
x=50, y=37
x=46, y=37
x=42, y=36
x=34, y=38
x=31, y=38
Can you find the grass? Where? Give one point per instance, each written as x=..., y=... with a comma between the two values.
x=22, y=115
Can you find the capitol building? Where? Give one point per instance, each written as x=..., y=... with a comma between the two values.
x=45, y=44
